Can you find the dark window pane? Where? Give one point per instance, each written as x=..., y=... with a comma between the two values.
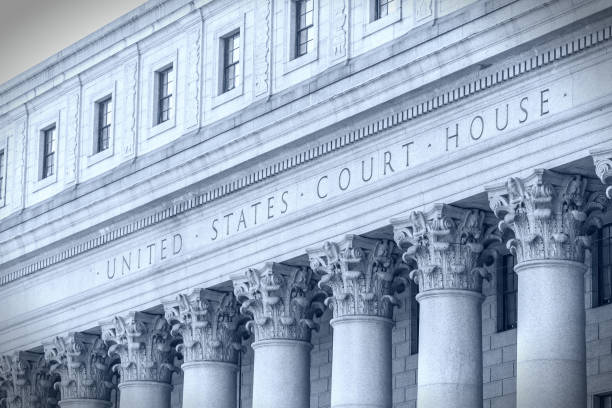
x=304, y=31
x=509, y=288
x=382, y=8
x=1, y=172
x=49, y=144
x=604, y=264
x=164, y=94
x=104, y=123
x=231, y=59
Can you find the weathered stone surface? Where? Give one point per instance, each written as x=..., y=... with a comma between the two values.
x=551, y=214
x=363, y=275
x=282, y=301
x=209, y=324
x=82, y=362
x=446, y=243
x=143, y=344
x=27, y=381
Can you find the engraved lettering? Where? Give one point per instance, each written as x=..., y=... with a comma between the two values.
x=525, y=99
x=254, y=207
x=270, y=207
x=481, y=120
x=241, y=221
x=407, y=147
x=319, y=187
x=344, y=186
x=162, y=249
x=151, y=247
x=214, y=227
x=497, y=119
x=126, y=263
x=227, y=219
x=177, y=244
x=284, y=200
x=544, y=102
x=387, y=156
x=455, y=136
x=363, y=177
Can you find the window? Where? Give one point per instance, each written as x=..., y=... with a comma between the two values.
x=603, y=265
x=48, y=151
x=165, y=78
x=414, y=318
x=1, y=173
x=104, y=120
x=603, y=401
x=231, y=61
x=304, y=27
x=382, y=8
x=508, y=288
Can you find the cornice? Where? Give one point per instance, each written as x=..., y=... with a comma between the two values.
x=491, y=78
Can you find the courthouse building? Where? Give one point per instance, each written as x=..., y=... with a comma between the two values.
x=312, y=203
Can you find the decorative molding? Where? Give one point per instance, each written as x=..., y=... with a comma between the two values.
x=143, y=344
x=82, y=362
x=446, y=243
x=282, y=301
x=131, y=103
x=423, y=9
x=263, y=34
x=340, y=29
x=209, y=323
x=551, y=214
x=362, y=274
x=27, y=381
x=603, y=168
x=494, y=78
x=72, y=136
x=192, y=108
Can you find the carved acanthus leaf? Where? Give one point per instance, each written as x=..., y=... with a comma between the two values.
x=603, y=168
x=282, y=300
x=209, y=323
x=446, y=244
x=82, y=362
x=27, y=381
x=362, y=274
x=551, y=214
x=144, y=346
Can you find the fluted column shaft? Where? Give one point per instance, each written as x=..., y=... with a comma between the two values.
x=552, y=216
x=142, y=342
x=360, y=274
x=209, y=324
x=280, y=300
x=446, y=244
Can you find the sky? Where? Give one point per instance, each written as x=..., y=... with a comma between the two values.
x=33, y=30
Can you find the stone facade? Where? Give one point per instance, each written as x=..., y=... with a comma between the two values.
x=313, y=235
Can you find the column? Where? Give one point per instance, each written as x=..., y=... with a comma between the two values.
x=281, y=301
x=209, y=324
x=141, y=341
x=27, y=381
x=446, y=243
x=360, y=273
x=552, y=216
x=82, y=362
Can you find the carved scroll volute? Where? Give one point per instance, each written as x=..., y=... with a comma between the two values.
x=81, y=360
x=281, y=300
x=361, y=275
x=209, y=323
x=446, y=244
x=27, y=381
x=144, y=346
x=550, y=214
x=602, y=158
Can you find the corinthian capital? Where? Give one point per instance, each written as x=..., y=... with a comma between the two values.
x=282, y=301
x=362, y=275
x=142, y=342
x=209, y=323
x=27, y=381
x=602, y=158
x=83, y=364
x=446, y=243
x=551, y=214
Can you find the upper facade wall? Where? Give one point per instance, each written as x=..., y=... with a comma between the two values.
x=120, y=61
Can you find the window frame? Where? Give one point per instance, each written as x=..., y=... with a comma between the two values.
x=598, y=399
x=597, y=265
x=3, y=172
x=44, y=154
x=306, y=28
x=372, y=23
x=234, y=36
x=503, y=293
x=151, y=108
x=169, y=96
x=292, y=61
x=108, y=126
x=223, y=30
